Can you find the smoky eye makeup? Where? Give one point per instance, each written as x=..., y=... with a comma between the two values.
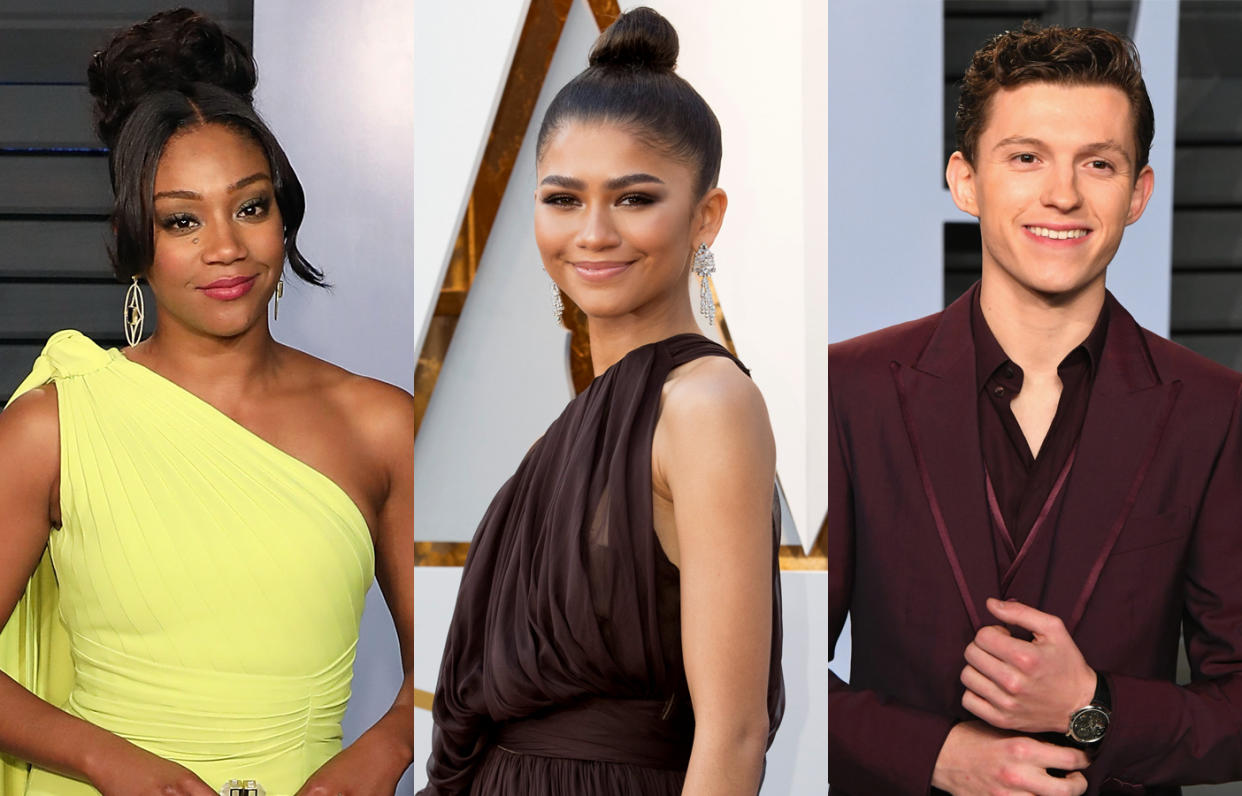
x=559, y=199
x=177, y=222
x=255, y=207
x=637, y=199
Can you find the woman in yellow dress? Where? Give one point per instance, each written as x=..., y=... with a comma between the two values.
x=191, y=524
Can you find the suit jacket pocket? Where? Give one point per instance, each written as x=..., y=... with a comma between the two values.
x=1140, y=533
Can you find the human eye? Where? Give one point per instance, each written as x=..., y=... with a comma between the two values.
x=560, y=200
x=636, y=200
x=1100, y=165
x=1025, y=158
x=254, y=208
x=178, y=222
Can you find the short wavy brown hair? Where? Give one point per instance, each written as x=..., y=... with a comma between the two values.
x=1069, y=56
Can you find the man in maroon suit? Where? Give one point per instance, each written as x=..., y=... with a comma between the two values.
x=1030, y=494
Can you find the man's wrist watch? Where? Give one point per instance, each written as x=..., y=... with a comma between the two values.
x=1088, y=724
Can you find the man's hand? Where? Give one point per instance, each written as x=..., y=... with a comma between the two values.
x=1029, y=686
x=978, y=759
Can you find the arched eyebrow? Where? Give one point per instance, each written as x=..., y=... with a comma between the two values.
x=618, y=183
x=258, y=176
x=615, y=184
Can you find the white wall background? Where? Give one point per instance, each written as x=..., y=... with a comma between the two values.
x=505, y=378
x=336, y=85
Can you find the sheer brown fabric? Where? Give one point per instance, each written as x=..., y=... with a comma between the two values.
x=562, y=672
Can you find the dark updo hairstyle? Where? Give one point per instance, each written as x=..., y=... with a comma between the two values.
x=630, y=82
x=174, y=72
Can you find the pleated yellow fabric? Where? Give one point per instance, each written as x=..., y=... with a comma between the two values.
x=210, y=586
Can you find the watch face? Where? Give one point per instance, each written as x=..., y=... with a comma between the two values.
x=1088, y=725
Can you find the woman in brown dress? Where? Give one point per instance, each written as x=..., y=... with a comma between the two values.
x=617, y=629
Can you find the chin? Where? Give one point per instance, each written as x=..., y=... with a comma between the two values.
x=229, y=328
x=599, y=306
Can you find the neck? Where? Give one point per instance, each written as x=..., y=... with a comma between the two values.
x=614, y=337
x=1037, y=331
x=208, y=364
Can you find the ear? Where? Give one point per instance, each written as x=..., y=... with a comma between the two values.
x=960, y=176
x=708, y=216
x=1140, y=193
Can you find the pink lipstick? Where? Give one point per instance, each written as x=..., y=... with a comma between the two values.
x=599, y=271
x=229, y=288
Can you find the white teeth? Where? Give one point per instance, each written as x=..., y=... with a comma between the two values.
x=1058, y=234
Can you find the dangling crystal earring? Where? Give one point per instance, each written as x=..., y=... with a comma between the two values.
x=558, y=306
x=133, y=313
x=705, y=266
x=280, y=291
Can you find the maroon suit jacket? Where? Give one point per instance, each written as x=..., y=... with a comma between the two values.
x=1145, y=539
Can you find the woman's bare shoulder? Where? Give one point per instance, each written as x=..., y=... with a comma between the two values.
x=381, y=412
x=30, y=459
x=712, y=416
x=712, y=389
x=32, y=420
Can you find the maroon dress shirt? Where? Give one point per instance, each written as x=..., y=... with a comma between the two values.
x=1021, y=481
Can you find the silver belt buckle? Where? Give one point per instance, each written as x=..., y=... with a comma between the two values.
x=242, y=787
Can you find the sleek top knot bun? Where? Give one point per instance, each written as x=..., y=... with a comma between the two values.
x=170, y=51
x=639, y=39
x=631, y=83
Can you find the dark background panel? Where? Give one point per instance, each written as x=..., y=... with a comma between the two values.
x=1225, y=348
x=1207, y=301
x=54, y=184
x=1209, y=109
x=120, y=12
x=1208, y=35
x=72, y=249
x=28, y=310
x=15, y=362
x=1207, y=239
x=44, y=46
x=1207, y=175
x=42, y=117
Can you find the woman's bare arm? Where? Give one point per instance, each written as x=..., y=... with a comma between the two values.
x=715, y=452
x=30, y=728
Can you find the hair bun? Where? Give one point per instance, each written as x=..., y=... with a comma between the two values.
x=640, y=39
x=170, y=51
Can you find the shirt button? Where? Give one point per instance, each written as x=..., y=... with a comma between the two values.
x=999, y=392
x=1009, y=374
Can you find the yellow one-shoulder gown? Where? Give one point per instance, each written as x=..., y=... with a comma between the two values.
x=203, y=593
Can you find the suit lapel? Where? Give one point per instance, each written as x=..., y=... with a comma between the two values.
x=939, y=404
x=1128, y=410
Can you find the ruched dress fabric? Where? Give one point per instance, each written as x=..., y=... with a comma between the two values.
x=207, y=586
x=562, y=674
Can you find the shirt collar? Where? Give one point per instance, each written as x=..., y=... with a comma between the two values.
x=990, y=357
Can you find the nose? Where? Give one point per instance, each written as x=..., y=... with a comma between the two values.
x=598, y=230
x=1060, y=188
x=223, y=244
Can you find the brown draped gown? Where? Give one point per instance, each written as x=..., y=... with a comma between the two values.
x=563, y=671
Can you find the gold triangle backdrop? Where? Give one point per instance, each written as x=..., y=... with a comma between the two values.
x=541, y=32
